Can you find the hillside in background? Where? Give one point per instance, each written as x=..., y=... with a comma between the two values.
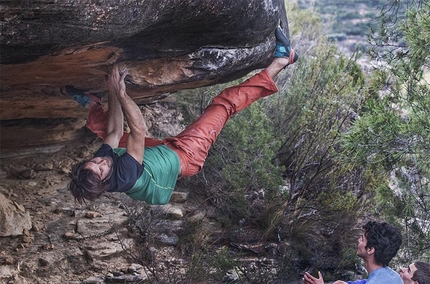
x=349, y=22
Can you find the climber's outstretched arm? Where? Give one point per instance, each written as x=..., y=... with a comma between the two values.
x=136, y=138
x=115, y=124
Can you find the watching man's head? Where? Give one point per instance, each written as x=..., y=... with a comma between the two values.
x=416, y=273
x=382, y=240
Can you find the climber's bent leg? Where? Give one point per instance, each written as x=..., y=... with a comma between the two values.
x=192, y=145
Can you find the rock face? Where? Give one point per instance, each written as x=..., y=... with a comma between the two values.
x=167, y=45
x=14, y=219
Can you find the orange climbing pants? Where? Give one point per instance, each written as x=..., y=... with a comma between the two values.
x=192, y=145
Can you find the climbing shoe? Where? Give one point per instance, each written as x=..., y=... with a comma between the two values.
x=283, y=48
x=79, y=96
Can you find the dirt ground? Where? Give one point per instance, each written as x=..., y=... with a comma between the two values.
x=42, y=191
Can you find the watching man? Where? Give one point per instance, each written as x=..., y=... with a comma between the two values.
x=377, y=245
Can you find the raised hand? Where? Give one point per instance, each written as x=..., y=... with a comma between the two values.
x=309, y=279
x=115, y=81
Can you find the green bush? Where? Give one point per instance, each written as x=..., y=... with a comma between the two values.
x=391, y=137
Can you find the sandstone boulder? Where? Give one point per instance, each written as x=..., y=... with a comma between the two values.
x=14, y=219
x=167, y=45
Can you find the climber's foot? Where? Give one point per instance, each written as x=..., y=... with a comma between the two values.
x=79, y=96
x=283, y=48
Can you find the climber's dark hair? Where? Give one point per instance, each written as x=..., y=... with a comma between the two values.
x=86, y=185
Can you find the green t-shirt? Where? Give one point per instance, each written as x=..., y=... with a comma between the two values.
x=161, y=169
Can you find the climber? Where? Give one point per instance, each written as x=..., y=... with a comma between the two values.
x=147, y=169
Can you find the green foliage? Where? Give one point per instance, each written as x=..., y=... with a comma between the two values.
x=321, y=210
x=223, y=259
x=205, y=261
x=392, y=135
x=243, y=154
x=304, y=22
x=248, y=164
x=320, y=102
x=378, y=137
x=416, y=29
x=335, y=201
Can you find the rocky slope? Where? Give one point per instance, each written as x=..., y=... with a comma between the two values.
x=46, y=237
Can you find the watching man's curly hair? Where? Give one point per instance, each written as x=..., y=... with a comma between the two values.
x=385, y=239
x=422, y=274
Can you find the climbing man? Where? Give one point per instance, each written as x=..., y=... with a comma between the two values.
x=147, y=169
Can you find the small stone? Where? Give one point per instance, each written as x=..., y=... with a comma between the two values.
x=230, y=276
x=7, y=260
x=69, y=236
x=92, y=214
x=35, y=227
x=47, y=247
x=171, y=212
x=17, y=170
x=49, y=202
x=66, y=210
x=94, y=280
x=179, y=197
x=19, y=206
x=125, y=278
x=11, y=272
x=134, y=268
x=32, y=183
x=44, y=167
x=3, y=174
x=43, y=262
x=65, y=170
x=26, y=174
x=171, y=240
x=26, y=241
x=117, y=273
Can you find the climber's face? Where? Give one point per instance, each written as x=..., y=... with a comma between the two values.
x=100, y=166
